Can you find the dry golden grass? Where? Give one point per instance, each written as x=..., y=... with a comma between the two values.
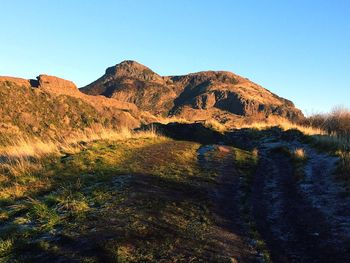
x=32, y=147
x=25, y=156
x=299, y=153
x=336, y=123
x=216, y=125
x=166, y=120
x=284, y=125
x=25, y=147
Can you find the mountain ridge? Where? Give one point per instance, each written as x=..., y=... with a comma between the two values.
x=188, y=95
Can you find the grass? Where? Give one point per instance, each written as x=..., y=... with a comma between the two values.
x=284, y=125
x=216, y=125
x=146, y=192
x=26, y=157
x=337, y=125
x=6, y=246
x=299, y=154
x=58, y=116
x=117, y=195
x=210, y=123
x=299, y=158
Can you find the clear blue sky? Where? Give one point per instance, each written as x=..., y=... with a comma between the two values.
x=298, y=49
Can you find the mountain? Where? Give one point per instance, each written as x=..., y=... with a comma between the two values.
x=130, y=94
x=132, y=82
x=204, y=95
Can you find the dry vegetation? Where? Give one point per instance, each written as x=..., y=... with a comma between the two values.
x=23, y=157
x=336, y=125
x=107, y=186
x=284, y=124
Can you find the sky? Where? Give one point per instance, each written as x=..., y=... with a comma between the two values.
x=298, y=49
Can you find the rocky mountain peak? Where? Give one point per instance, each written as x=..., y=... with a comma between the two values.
x=197, y=96
x=132, y=69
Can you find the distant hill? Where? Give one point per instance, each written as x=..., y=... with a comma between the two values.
x=203, y=95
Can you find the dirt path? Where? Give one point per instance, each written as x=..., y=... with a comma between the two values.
x=329, y=196
x=295, y=219
x=229, y=232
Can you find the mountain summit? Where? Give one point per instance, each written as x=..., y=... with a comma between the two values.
x=129, y=68
x=209, y=94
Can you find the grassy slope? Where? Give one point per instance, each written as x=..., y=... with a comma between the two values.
x=135, y=200
x=29, y=111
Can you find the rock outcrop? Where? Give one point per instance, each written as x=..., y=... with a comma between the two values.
x=56, y=85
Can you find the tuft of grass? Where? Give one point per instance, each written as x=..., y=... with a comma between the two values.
x=299, y=154
x=6, y=247
x=166, y=120
x=45, y=217
x=215, y=125
x=74, y=203
x=299, y=158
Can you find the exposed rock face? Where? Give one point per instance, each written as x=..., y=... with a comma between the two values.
x=56, y=84
x=198, y=95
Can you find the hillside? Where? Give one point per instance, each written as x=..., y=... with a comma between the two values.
x=128, y=95
x=52, y=107
x=98, y=178
x=204, y=95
